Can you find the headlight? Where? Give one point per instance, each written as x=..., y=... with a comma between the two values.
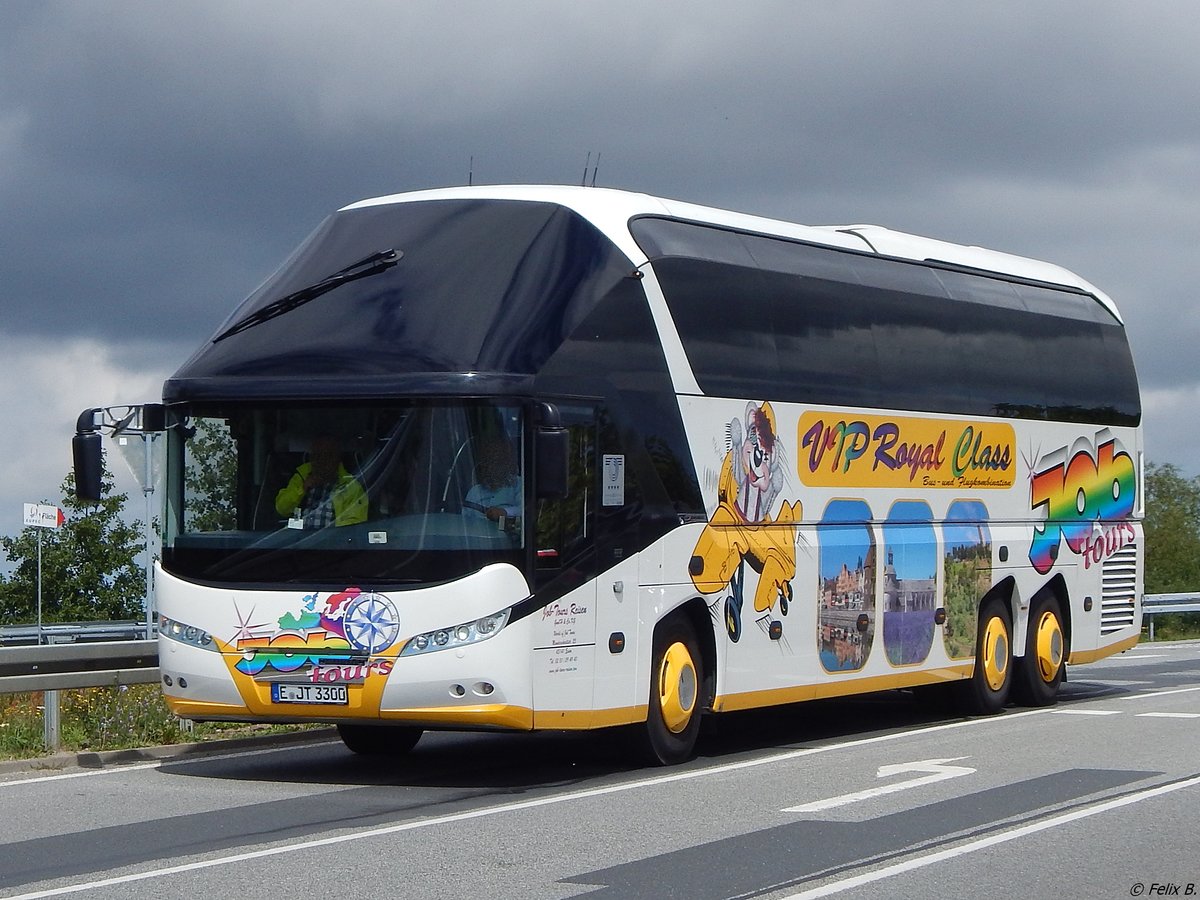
x=184, y=633
x=458, y=636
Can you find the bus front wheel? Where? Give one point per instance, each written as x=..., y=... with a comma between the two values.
x=676, y=682
x=1040, y=672
x=379, y=740
x=986, y=692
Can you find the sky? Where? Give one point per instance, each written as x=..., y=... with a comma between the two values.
x=158, y=160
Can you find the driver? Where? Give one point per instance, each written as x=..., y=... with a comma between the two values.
x=498, y=492
x=322, y=492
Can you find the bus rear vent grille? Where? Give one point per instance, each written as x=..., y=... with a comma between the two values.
x=1117, y=604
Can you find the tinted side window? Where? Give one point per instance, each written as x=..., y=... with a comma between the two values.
x=824, y=326
x=725, y=316
x=826, y=342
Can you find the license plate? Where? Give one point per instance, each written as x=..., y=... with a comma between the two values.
x=309, y=693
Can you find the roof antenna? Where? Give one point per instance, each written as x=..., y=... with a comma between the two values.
x=471, y=171
x=595, y=167
x=583, y=180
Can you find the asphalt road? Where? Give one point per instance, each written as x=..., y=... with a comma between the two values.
x=867, y=798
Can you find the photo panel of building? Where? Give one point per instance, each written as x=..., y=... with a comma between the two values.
x=910, y=596
x=846, y=572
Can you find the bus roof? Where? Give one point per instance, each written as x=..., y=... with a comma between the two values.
x=610, y=211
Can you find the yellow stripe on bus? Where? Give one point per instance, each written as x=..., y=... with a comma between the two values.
x=493, y=715
x=1079, y=657
x=578, y=719
x=780, y=696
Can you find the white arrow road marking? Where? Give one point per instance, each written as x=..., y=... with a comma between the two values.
x=937, y=769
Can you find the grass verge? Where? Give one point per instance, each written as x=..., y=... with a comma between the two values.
x=1174, y=627
x=107, y=718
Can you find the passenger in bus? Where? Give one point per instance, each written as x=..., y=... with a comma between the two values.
x=322, y=492
x=497, y=494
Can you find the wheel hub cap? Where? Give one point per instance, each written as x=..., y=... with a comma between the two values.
x=677, y=687
x=1049, y=646
x=995, y=652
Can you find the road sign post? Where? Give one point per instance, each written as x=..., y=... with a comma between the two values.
x=42, y=516
x=39, y=516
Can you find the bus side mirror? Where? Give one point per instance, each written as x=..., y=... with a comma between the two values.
x=552, y=449
x=89, y=465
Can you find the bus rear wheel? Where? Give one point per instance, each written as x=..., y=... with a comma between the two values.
x=676, y=681
x=379, y=740
x=1040, y=672
x=986, y=692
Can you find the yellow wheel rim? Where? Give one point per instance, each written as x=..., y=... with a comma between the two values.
x=677, y=687
x=995, y=652
x=1049, y=646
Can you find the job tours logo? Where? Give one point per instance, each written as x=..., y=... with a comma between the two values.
x=1086, y=495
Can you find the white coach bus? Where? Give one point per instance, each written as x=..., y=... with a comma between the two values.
x=537, y=457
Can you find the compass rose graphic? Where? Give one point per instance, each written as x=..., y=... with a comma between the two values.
x=371, y=622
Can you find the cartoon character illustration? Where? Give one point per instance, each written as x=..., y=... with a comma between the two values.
x=741, y=530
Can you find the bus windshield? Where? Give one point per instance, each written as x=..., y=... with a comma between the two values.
x=325, y=493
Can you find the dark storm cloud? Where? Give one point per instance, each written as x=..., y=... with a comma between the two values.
x=162, y=158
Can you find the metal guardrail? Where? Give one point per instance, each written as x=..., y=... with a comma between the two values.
x=71, y=633
x=56, y=667
x=1164, y=604
x=77, y=664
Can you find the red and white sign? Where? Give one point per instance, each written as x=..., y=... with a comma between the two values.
x=42, y=515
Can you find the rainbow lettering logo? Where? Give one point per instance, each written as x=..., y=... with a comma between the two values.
x=341, y=633
x=1086, y=496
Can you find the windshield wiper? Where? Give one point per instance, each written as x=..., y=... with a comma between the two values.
x=368, y=265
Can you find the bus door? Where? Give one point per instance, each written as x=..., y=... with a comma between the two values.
x=620, y=696
x=564, y=644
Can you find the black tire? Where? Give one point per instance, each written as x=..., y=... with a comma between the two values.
x=379, y=740
x=677, y=687
x=1040, y=671
x=986, y=692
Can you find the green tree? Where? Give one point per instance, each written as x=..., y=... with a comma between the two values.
x=89, y=565
x=1172, y=528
